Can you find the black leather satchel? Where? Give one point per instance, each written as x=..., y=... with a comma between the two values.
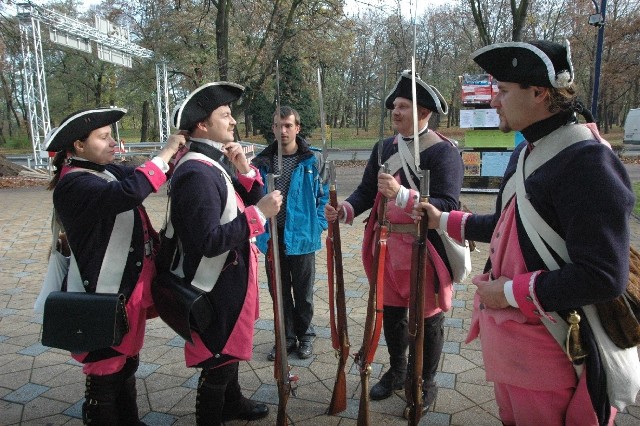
x=182, y=306
x=84, y=322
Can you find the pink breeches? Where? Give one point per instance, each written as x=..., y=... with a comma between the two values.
x=560, y=407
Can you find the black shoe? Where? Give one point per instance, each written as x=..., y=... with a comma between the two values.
x=305, y=350
x=429, y=395
x=290, y=348
x=428, y=398
x=245, y=409
x=387, y=384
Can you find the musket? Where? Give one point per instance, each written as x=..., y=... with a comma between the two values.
x=375, y=304
x=419, y=259
x=282, y=372
x=339, y=333
x=337, y=303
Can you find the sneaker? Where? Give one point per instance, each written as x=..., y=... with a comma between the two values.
x=387, y=384
x=290, y=348
x=305, y=350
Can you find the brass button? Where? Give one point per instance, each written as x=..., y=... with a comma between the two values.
x=151, y=173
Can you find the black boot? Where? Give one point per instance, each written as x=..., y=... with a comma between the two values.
x=432, y=349
x=210, y=396
x=237, y=406
x=101, y=393
x=395, y=333
x=127, y=399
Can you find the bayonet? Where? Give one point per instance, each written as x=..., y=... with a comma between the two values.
x=278, y=131
x=383, y=114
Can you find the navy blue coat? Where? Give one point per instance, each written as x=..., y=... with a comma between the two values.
x=87, y=206
x=446, y=174
x=198, y=198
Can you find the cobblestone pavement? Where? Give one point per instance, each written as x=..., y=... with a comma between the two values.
x=43, y=386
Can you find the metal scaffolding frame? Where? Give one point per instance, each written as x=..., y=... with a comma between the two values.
x=162, y=91
x=30, y=16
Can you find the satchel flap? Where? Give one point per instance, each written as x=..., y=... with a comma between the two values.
x=83, y=322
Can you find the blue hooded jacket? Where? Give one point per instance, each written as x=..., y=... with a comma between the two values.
x=307, y=196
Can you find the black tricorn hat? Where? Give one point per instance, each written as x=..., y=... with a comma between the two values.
x=199, y=104
x=79, y=124
x=536, y=63
x=428, y=96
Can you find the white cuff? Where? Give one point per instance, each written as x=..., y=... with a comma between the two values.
x=444, y=218
x=250, y=174
x=263, y=218
x=162, y=165
x=508, y=293
x=402, y=197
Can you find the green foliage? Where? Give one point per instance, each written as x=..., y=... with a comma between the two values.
x=294, y=92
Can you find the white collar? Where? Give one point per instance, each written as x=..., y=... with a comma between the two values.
x=217, y=145
x=423, y=130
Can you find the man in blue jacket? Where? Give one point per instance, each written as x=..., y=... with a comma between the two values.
x=300, y=223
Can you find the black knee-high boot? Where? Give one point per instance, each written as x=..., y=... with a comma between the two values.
x=237, y=406
x=395, y=333
x=127, y=404
x=101, y=393
x=433, y=343
x=210, y=397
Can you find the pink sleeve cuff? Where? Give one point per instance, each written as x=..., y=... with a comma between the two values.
x=524, y=286
x=247, y=182
x=456, y=223
x=153, y=173
x=254, y=221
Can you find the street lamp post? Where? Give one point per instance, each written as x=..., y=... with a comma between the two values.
x=597, y=20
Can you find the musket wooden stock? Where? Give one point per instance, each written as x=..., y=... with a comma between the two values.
x=413, y=383
x=373, y=321
x=339, y=334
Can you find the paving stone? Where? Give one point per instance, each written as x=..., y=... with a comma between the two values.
x=50, y=385
x=34, y=350
x=26, y=393
x=159, y=419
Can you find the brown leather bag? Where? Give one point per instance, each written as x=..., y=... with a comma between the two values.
x=620, y=317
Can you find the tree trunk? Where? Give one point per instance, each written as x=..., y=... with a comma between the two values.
x=478, y=18
x=144, y=125
x=519, y=14
x=222, y=37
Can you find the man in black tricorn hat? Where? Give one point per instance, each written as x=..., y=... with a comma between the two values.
x=400, y=187
x=216, y=213
x=559, y=241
